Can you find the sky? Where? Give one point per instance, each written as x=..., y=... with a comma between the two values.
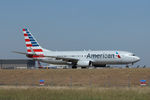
x=77, y=25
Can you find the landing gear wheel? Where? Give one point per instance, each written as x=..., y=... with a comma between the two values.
x=127, y=66
x=74, y=67
x=83, y=67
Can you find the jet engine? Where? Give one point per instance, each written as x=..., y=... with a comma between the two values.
x=84, y=63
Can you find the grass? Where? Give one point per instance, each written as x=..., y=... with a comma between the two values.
x=37, y=93
x=76, y=77
x=69, y=84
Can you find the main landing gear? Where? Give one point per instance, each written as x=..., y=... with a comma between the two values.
x=127, y=66
x=74, y=67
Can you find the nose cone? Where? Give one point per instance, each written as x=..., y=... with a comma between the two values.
x=136, y=59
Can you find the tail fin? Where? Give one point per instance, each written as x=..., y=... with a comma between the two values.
x=32, y=45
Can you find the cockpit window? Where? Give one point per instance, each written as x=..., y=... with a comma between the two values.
x=133, y=54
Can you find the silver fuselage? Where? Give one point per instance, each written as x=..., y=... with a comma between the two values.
x=97, y=57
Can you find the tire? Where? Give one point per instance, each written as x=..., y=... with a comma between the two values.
x=74, y=67
x=83, y=67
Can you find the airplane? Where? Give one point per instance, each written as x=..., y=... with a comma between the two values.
x=83, y=59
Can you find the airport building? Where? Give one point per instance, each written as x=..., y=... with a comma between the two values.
x=17, y=64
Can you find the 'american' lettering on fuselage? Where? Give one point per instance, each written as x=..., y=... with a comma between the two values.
x=98, y=56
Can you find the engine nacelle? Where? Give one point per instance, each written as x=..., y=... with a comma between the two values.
x=84, y=63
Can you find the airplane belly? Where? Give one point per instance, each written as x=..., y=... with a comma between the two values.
x=111, y=61
x=56, y=62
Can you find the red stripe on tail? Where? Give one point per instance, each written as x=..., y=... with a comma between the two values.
x=27, y=40
x=25, y=34
x=29, y=50
x=23, y=29
x=29, y=45
x=38, y=56
x=35, y=50
x=35, y=56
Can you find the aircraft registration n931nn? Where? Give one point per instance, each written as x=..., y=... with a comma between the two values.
x=76, y=58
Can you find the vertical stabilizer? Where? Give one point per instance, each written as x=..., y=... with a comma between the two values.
x=32, y=45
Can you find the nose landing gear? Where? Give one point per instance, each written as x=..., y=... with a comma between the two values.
x=127, y=66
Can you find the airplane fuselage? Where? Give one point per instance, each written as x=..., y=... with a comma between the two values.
x=97, y=58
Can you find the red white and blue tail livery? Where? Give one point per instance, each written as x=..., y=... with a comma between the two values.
x=32, y=45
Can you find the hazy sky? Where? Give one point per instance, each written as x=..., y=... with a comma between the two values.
x=77, y=25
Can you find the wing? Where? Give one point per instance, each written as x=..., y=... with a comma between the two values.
x=56, y=57
x=63, y=58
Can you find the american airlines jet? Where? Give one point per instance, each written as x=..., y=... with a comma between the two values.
x=76, y=58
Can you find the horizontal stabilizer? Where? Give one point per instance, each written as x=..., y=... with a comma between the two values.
x=20, y=52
